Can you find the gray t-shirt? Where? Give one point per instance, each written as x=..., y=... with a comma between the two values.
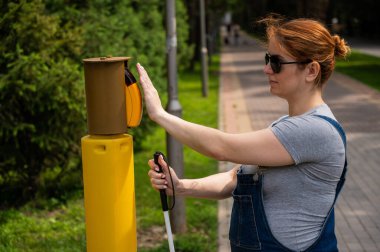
x=298, y=197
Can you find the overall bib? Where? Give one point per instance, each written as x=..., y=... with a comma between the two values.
x=249, y=229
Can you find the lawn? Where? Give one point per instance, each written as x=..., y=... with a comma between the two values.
x=362, y=67
x=60, y=227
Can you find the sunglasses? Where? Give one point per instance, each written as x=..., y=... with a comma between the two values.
x=275, y=62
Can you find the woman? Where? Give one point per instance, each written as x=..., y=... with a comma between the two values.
x=287, y=203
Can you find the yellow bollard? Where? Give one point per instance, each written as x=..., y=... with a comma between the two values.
x=109, y=194
x=107, y=156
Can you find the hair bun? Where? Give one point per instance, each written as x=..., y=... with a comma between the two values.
x=341, y=48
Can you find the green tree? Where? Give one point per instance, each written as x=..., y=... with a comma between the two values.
x=41, y=97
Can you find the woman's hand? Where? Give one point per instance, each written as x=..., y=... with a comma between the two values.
x=152, y=100
x=162, y=180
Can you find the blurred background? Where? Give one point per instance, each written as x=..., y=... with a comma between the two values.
x=42, y=102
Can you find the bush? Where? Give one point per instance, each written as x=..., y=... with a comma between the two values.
x=41, y=97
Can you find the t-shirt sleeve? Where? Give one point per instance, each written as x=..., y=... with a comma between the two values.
x=306, y=138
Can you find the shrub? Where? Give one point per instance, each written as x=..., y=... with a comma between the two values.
x=41, y=97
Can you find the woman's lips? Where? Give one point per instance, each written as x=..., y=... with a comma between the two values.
x=272, y=82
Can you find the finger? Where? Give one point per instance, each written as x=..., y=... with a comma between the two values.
x=156, y=175
x=163, y=164
x=158, y=182
x=142, y=72
x=144, y=77
x=153, y=165
x=140, y=68
x=159, y=187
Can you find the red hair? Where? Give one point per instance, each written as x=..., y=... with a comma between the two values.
x=306, y=39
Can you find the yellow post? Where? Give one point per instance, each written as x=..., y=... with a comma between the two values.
x=109, y=193
x=107, y=155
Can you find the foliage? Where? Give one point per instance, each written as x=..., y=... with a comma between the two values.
x=353, y=18
x=357, y=18
x=185, y=49
x=41, y=99
x=41, y=82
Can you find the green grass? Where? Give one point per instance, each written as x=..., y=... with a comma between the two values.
x=58, y=229
x=362, y=67
x=61, y=227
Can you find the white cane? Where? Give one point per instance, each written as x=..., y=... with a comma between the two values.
x=164, y=202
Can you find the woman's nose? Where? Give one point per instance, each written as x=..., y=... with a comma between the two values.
x=267, y=69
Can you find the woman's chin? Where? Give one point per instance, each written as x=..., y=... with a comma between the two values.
x=276, y=92
x=273, y=90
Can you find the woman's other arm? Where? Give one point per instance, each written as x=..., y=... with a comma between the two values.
x=217, y=186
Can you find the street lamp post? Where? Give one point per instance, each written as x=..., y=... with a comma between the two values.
x=203, y=49
x=174, y=148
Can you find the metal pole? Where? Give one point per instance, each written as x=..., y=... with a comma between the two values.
x=203, y=50
x=174, y=148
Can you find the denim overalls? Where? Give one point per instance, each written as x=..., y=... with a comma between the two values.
x=249, y=229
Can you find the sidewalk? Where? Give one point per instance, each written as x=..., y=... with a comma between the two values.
x=246, y=104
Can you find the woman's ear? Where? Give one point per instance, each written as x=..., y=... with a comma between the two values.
x=312, y=69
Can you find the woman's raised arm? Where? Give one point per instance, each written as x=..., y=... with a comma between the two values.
x=259, y=147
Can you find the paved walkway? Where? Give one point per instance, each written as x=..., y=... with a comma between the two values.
x=246, y=104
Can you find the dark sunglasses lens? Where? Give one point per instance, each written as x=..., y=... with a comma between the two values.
x=275, y=64
x=266, y=59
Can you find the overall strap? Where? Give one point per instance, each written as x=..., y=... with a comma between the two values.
x=336, y=125
x=343, y=136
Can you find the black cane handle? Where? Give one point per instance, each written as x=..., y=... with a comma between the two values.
x=163, y=196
